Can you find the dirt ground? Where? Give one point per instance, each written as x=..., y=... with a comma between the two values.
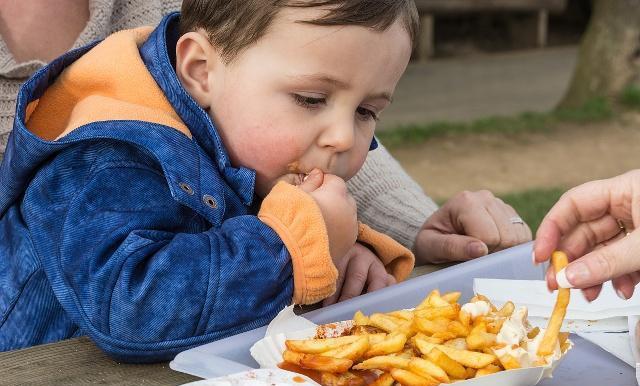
x=565, y=157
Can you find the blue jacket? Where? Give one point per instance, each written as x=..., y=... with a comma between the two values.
x=122, y=218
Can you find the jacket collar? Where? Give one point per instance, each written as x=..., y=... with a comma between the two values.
x=158, y=54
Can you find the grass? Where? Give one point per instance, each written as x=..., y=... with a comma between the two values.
x=595, y=110
x=532, y=205
x=630, y=97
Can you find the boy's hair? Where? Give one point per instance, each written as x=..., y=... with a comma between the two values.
x=233, y=25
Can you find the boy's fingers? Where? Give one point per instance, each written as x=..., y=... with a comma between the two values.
x=355, y=278
x=313, y=181
x=378, y=278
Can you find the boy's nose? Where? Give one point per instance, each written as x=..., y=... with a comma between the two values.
x=339, y=135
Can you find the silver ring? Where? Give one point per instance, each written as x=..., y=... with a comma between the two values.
x=516, y=220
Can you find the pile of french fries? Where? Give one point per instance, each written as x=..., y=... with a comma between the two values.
x=437, y=342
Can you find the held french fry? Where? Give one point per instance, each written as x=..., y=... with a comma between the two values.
x=547, y=346
x=317, y=362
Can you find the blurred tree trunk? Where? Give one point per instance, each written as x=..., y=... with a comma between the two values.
x=608, y=59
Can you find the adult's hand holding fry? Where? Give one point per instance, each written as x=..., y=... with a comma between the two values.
x=469, y=225
x=595, y=224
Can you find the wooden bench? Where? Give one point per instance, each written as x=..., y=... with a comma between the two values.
x=428, y=9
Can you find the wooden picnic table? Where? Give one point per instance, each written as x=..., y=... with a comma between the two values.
x=79, y=361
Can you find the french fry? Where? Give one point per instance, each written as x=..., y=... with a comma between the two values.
x=435, y=300
x=376, y=338
x=393, y=343
x=450, y=311
x=467, y=358
x=533, y=333
x=383, y=380
x=494, y=325
x=452, y=297
x=509, y=362
x=446, y=335
x=471, y=372
x=479, y=338
x=426, y=302
x=424, y=367
x=429, y=326
x=317, y=362
x=383, y=362
x=458, y=328
x=451, y=367
x=383, y=321
x=479, y=297
x=489, y=369
x=550, y=339
x=351, y=351
x=459, y=343
x=408, y=378
x=344, y=379
x=402, y=314
x=465, y=318
x=506, y=310
x=315, y=346
x=360, y=319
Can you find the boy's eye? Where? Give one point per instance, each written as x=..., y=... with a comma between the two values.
x=308, y=101
x=367, y=114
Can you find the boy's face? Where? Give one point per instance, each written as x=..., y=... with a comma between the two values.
x=306, y=97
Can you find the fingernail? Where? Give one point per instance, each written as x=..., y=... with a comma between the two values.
x=621, y=295
x=476, y=249
x=533, y=258
x=561, y=278
x=577, y=273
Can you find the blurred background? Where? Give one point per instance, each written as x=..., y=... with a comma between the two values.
x=526, y=98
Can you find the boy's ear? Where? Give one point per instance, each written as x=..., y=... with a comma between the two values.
x=195, y=58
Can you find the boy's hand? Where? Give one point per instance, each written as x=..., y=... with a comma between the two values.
x=338, y=210
x=359, y=271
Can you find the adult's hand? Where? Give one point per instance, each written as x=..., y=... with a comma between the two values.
x=595, y=225
x=469, y=225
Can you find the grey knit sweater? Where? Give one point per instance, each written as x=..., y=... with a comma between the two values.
x=388, y=199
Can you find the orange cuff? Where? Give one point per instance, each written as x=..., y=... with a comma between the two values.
x=398, y=260
x=296, y=218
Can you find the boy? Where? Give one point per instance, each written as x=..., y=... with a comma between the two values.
x=150, y=196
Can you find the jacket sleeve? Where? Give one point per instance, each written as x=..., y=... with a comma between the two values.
x=146, y=277
x=388, y=199
x=397, y=259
